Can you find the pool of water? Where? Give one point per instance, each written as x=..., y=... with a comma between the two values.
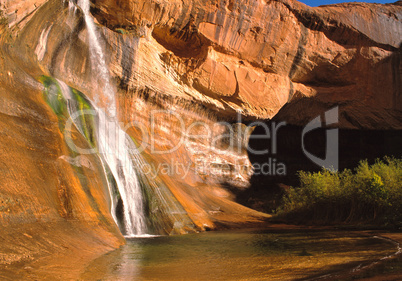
x=240, y=255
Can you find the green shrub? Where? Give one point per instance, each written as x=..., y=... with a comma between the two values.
x=370, y=194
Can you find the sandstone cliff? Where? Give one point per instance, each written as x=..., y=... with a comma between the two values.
x=205, y=60
x=256, y=56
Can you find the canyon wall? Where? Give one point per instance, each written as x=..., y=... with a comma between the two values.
x=254, y=57
x=181, y=69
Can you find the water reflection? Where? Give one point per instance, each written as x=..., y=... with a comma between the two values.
x=239, y=255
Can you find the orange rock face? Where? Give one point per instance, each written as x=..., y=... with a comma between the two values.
x=256, y=56
x=207, y=61
x=49, y=215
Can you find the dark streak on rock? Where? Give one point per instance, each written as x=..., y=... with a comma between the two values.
x=127, y=62
x=300, y=51
x=291, y=91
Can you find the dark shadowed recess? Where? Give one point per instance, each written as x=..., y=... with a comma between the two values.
x=354, y=145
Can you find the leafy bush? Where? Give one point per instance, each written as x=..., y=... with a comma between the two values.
x=369, y=194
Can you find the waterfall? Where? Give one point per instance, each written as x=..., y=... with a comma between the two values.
x=116, y=148
x=114, y=145
x=97, y=58
x=117, y=151
x=122, y=165
x=141, y=202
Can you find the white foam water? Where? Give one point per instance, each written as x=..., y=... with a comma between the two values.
x=97, y=57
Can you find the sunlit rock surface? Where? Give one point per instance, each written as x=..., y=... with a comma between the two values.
x=268, y=53
x=197, y=63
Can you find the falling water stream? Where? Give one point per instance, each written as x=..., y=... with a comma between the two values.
x=97, y=59
x=141, y=204
x=115, y=146
x=115, y=149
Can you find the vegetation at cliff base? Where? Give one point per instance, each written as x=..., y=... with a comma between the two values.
x=371, y=194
